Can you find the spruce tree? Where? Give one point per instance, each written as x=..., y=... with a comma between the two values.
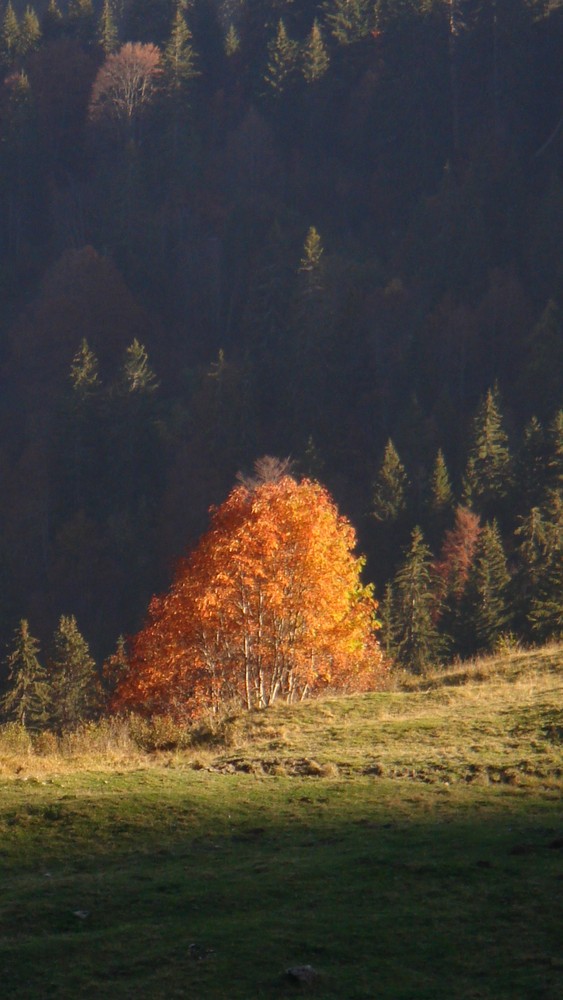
x=9, y=35
x=555, y=453
x=489, y=465
x=27, y=698
x=531, y=470
x=487, y=611
x=82, y=21
x=74, y=681
x=84, y=374
x=30, y=32
x=180, y=60
x=349, y=20
x=316, y=59
x=417, y=640
x=115, y=667
x=138, y=376
x=311, y=266
x=546, y=607
x=389, y=501
x=440, y=502
x=107, y=29
x=52, y=23
x=282, y=61
x=232, y=41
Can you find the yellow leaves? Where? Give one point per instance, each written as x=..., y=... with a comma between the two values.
x=270, y=602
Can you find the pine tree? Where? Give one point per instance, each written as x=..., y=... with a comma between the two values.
x=390, y=488
x=349, y=20
x=388, y=620
x=489, y=466
x=52, y=21
x=232, y=41
x=30, y=32
x=74, y=681
x=27, y=698
x=10, y=35
x=282, y=61
x=531, y=462
x=487, y=611
x=311, y=262
x=440, y=500
x=138, y=376
x=316, y=59
x=180, y=60
x=555, y=453
x=546, y=609
x=107, y=29
x=82, y=20
x=441, y=493
x=84, y=374
x=115, y=667
x=417, y=640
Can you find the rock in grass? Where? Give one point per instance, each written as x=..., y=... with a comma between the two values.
x=303, y=975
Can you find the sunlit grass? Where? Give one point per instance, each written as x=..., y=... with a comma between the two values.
x=406, y=844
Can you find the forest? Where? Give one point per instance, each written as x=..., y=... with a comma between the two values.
x=326, y=231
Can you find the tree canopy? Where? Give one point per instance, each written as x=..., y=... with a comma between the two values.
x=269, y=604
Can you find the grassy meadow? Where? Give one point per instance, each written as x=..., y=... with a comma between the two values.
x=406, y=844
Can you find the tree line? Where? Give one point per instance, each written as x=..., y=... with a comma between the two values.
x=299, y=228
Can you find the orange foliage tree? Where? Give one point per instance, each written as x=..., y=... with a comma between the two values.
x=269, y=604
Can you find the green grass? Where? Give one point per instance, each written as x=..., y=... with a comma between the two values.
x=407, y=844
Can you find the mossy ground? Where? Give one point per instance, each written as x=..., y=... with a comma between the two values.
x=407, y=844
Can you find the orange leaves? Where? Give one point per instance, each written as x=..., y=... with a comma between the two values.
x=269, y=604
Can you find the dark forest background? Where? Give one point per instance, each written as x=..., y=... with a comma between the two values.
x=331, y=231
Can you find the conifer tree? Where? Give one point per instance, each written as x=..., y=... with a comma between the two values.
x=546, y=608
x=30, y=32
x=555, y=453
x=487, y=608
x=390, y=488
x=311, y=264
x=10, y=35
x=531, y=471
x=316, y=59
x=180, y=60
x=388, y=619
x=489, y=465
x=440, y=500
x=282, y=61
x=82, y=20
x=349, y=20
x=417, y=640
x=138, y=376
x=52, y=21
x=232, y=41
x=441, y=493
x=115, y=668
x=74, y=681
x=84, y=374
x=27, y=698
x=107, y=29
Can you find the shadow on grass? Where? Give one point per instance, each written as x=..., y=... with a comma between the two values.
x=177, y=885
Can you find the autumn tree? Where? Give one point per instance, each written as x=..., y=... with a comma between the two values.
x=269, y=604
x=125, y=86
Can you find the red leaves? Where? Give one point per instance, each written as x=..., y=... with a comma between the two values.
x=269, y=604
